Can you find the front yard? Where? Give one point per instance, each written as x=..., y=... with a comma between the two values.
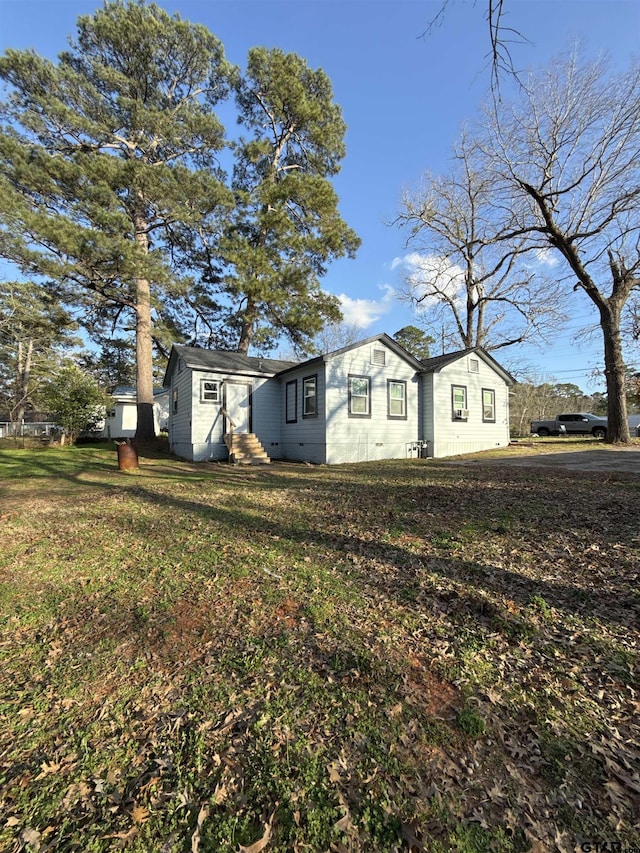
x=393, y=656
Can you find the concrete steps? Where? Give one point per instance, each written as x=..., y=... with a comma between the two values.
x=245, y=449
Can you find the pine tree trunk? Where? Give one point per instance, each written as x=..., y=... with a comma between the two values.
x=145, y=429
x=23, y=374
x=248, y=327
x=17, y=412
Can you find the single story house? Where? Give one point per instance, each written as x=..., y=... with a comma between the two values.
x=121, y=419
x=371, y=400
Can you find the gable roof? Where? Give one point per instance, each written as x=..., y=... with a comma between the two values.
x=222, y=361
x=382, y=338
x=435, y=364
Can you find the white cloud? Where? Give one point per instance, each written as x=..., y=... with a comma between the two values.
x=362, y=313
x=422, y=272
x=546, y=257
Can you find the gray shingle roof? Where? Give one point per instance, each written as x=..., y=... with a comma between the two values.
x=230, y=362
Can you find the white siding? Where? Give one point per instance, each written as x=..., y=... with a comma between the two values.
x=125, y=420
x=266, y=402
x=180, y=421
x=354, y=439
x=448, y=436
x=161, y=404
x=427, y=413
x=333, y=435
x=305, y=439
x=207, y=427
x=207, y=421
x=197, y=431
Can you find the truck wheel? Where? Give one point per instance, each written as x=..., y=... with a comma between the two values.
x=599, y=432
x=543, y=432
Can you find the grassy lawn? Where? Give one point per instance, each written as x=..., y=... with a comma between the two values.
x=393, y=656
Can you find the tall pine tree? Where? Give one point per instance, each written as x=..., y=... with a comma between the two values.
x=108, y=162
x=285, y=226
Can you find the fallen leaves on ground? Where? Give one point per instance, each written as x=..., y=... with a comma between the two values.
x=400, y=656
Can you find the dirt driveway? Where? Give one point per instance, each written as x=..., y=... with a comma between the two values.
x=623, y=460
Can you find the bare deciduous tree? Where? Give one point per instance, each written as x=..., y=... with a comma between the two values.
x=469, y=286
x=337, y=335
x=501, y=37
x=567, y=159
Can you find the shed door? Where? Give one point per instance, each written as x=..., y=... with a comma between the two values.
x=237, y=402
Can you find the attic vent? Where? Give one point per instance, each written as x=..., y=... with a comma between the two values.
x=378, y=356
x=474, y=365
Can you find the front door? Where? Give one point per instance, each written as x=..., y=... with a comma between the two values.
x=237, y=402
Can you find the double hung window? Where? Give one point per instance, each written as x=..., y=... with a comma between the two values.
x=209, y=391
x=459, y=403
x=310, y=397
x=396, y=398
x=359, y=397
x=488, y=405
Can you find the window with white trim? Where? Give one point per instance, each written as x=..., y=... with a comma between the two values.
x=359, y=397
x=488, y=405
x=459, y=403
x=209, y=391
x=310, y=396
x=396, y=398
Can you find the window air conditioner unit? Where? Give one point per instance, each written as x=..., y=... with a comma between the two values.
x=462, y=413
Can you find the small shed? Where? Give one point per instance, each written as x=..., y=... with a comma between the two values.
x=121, y=419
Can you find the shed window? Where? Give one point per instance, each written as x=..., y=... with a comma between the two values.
x=359, y=397
x=309, y=397
x=209, y=391
x=174, y=405
x=396, y=398
x=292, y=401
x=488, y=405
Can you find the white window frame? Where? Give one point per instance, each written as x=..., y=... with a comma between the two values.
x=491, y=418
x=399, y=383
x=210, y=395
x=455, y=404
x=353, y=381
x=310, y=382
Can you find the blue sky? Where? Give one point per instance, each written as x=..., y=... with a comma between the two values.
x=404, y=97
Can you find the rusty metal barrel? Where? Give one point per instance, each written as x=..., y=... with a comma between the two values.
x=127, y=455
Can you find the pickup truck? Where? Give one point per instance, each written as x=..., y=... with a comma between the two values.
x=581, y=423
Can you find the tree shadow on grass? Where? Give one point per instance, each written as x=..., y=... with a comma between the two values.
x=540, y=510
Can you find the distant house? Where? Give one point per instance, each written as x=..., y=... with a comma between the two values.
x=371, y=400
x=121, y=419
